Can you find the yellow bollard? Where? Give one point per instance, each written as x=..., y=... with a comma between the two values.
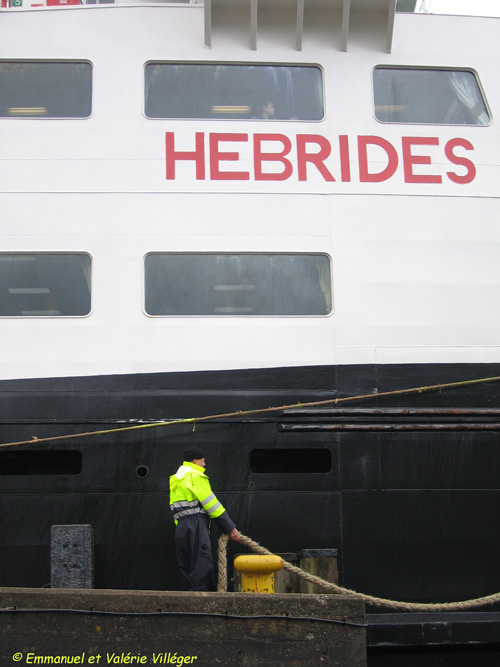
x=257, y=572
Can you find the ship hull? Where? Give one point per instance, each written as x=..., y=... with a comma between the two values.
x=394, y=486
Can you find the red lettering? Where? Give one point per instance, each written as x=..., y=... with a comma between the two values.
x=198, y=155
x=216, y=156
x=317, y=159
x=345, y=162
x=368, y=177
x=464, y=162
x=315, y=150
x=409, y=160
x=260, y=157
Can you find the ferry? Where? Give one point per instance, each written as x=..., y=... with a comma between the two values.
x=223, y=206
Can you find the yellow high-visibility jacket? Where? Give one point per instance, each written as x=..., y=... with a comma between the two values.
x=191, y=494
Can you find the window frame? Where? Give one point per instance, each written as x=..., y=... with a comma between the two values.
x=78, y=61
x=427, y=68
x=240, y=316
x=56, y=252
x=235, y=63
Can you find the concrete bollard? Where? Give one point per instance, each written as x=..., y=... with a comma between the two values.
x=71, y=556
x=257, y=572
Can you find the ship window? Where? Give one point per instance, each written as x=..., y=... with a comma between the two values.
x=45, y=89
x=44, y=284
x=52, y=462
x=272, y=92
x=434, y=96
x=290, y=461
x=241, y=285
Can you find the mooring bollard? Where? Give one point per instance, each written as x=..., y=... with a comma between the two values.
x=257, y=572
x=72, y=556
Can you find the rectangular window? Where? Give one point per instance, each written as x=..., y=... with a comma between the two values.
x=434, y=96
x=287, y=461
x=270, y=92
x=44, y=284
x=51, y=462
x=45, y=89
x=247, y=284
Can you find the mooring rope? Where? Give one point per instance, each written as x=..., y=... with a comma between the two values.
x=247, y=413
x=339, y=590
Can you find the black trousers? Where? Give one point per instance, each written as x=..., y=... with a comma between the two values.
x=194, y=552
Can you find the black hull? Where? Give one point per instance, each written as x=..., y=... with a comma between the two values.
x=411, y=500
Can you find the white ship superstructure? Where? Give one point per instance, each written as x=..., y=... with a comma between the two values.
x=407, y=213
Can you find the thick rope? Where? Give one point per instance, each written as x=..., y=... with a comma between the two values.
x=327, y=585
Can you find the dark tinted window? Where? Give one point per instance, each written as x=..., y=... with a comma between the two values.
x=439, y=97
x=279, y=92
x=247, y=284
x=45, y=89
x=44, y=284
x=50, y=462
x=290, y=460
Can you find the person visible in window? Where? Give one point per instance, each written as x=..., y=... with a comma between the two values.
x=267, y=110
x=194, y=505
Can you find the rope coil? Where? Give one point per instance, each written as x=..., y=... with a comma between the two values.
x=339, y=590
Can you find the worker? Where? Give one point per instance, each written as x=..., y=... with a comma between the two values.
x=193, y=506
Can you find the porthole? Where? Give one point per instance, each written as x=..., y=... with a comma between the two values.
x=142, y=471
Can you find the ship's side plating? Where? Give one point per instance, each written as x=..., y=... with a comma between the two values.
x=407, y=215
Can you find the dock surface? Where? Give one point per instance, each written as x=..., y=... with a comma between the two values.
x=107, y=627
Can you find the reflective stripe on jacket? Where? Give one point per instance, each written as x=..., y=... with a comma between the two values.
x=190, y=493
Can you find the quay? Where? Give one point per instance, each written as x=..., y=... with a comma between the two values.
x=107, y=627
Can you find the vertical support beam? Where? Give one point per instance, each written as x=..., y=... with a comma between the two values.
x=320, y=562
x=346, y=11
x=253, y=24
x=300, y=25
x=207, y=12
x=390, y=25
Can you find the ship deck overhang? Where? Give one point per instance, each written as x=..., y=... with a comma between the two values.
x=346, y=15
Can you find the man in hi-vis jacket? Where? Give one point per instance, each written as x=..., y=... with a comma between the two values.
x=193, y=506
